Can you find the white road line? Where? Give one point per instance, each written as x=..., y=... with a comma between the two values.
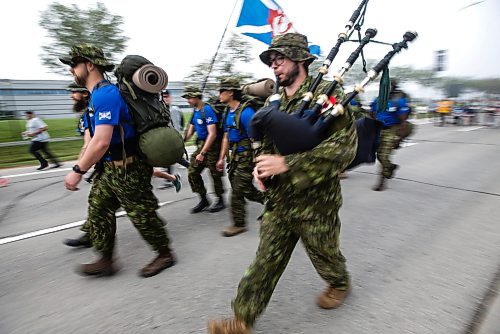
x=55, y=170
x=470, y=128
x=58, y=228
x=408, y=144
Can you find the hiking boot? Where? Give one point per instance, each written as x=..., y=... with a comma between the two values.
x=227, y=326
x=177, y=183
x=202, y=205
x=231, y=231
x=380, y=186
x=218, y=206
x=83, y=241
x=102, y=267
x=332, y=298
x=164, y=260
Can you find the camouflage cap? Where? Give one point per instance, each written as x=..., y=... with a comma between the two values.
x=191, y=91
x=290, y=45
x=230, y=84
x=90, y=52
x=74, y=87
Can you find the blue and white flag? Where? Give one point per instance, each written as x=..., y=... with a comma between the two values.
x=264, y=19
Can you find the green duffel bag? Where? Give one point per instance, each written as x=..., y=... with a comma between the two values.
x=162, y=146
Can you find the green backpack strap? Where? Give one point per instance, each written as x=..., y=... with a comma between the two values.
x=202, y=111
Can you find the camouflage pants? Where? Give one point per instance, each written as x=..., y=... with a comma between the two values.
x=131, y=189
x=278, y=237
x=241, y=182
x=195, y=169
x=388, y=138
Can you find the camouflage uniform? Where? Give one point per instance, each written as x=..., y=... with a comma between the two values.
x=195, y=169
x=389, y=137
x=125, y=186
x=129, y=188
x=241, y=165
x=357, y=108
x=302, y=203
x=241, y=179
x=392, y=134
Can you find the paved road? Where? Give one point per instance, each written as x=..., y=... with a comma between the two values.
x=424, y=255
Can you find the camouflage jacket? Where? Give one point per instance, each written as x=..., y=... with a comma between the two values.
x=311, y=187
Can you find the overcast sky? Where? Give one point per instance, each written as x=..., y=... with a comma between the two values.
x=179, y=34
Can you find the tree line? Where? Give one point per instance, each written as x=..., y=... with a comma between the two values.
x=69, y=25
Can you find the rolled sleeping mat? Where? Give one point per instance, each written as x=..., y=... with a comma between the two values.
x=150, y=78
x=260, y=88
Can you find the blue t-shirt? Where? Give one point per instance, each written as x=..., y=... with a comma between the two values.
x=395, y=109
x=200, y=124
x=108, y=107
x=234, y=133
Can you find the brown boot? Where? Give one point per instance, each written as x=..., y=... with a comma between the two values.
x=228, y=326
x=231, y=231
x=332, y=298
x=164, y=260
x=380, y=186
x=102, y=267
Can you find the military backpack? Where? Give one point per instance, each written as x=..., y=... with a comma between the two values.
x=159, y=142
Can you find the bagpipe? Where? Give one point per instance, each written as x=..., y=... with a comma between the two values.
x=305, y=128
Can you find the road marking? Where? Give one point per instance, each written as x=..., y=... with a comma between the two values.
x=58, y=228
x=471, y=128
x=55, y=170
x=408, y=144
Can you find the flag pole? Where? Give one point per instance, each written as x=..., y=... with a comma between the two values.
x=210, y=67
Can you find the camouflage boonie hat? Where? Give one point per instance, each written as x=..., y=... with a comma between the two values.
x=74, y=87
x=89, y=52
x=191, y=91
x=230, y=84
x=290, y=45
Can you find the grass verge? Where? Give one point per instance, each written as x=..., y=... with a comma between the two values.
x=15, y=156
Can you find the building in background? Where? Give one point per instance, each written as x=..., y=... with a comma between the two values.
x=50, y=99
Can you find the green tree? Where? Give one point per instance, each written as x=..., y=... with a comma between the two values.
x=234, y=52
x=69, y=25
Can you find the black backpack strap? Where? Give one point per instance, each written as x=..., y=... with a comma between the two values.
x=87, y=116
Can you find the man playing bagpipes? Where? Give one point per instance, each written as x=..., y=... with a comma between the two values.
x=303, y=196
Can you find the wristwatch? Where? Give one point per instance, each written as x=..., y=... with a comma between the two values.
x=77, y=170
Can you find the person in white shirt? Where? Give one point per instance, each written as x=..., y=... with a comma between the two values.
x=37, y=130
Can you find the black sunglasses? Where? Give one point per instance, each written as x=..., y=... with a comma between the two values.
x=74, y=62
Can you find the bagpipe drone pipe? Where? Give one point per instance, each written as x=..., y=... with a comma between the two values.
x=304, y=129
